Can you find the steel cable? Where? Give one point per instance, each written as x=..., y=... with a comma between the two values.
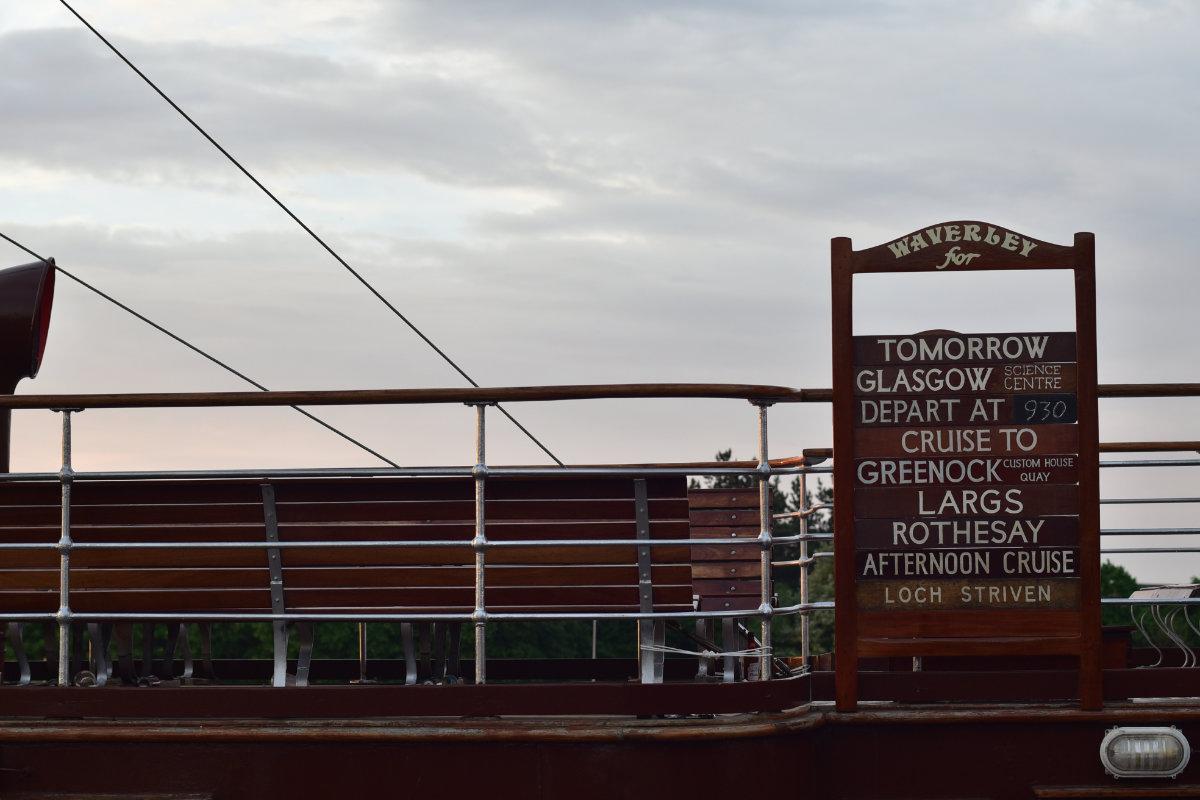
x=313, y=234
x=191, y=346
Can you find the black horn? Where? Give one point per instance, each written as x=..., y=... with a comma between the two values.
x=26, y=295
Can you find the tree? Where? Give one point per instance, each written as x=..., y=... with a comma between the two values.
x=1116, y=581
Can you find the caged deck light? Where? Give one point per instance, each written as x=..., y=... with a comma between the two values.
x=1144, y=752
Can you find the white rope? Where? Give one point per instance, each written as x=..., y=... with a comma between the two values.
x=662, y=648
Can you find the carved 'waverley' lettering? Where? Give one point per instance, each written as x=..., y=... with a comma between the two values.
x=958, y=255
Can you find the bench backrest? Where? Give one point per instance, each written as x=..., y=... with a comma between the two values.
x=341, y=579
x=725, y=576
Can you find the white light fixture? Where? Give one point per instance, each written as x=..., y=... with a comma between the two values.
x=1144, y=752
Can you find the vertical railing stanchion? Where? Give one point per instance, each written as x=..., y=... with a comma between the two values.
x=362, y=655
x=66, y=476
x=479, y=545
x=765, y=541
x=803, y=558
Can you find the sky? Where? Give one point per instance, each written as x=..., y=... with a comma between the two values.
x=566, y=192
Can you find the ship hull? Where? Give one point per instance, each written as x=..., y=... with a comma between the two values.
x=881, y=751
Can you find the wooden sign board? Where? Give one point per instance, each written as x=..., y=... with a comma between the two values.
x=966, y=485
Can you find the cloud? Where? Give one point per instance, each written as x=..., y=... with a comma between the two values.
x=80, y=109
x=577, y=192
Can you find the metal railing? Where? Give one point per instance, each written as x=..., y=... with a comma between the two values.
x=760, y=471
x=1170, y=531
x=1151, y=608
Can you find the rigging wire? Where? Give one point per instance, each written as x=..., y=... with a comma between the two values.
x=191, y=346
x=313, y=234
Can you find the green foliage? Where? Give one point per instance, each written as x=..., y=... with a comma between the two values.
x=1115, y=581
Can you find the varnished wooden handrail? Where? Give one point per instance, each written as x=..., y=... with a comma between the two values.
x=816, y=453
x=506, y=394
x=500, y=394
x=1149, y=447
x=1149, y=389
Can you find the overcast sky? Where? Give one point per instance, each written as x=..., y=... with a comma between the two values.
x=582, y=193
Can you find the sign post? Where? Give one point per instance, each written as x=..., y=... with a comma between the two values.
x=966, y=470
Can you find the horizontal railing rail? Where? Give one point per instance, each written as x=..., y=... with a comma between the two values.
x=343, y=544
x=333, y=616
x=699, y=470
x=1150, y=601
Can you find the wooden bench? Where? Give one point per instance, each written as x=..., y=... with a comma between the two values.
x=353, y=580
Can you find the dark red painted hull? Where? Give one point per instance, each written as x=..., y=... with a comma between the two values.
x=885, y=751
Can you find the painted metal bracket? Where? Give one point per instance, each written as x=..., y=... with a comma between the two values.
x=17, y=640
x=410, y=657
x=101, y=667
x=651, y=633
x=279, y=628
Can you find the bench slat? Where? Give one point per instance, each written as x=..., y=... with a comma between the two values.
x=717, y=588
x=409, y=531
x=136, y=600
x=748, y=552
x=723, y=498
x=397, y=511
x=208, y=492
x=218, y=557
x=735, y=517
x=728, y=570
x=728, y=603
x=339, y=577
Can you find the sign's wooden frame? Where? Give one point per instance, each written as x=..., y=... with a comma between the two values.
x=982, y=633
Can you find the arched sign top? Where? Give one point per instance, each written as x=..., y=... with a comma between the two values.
x=964, y=246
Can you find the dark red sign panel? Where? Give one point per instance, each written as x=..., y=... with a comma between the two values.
x=909, y=410
x=917, y=533
x=1023, y=469
x=1010, y=440
x=947, y=347
x=974, y=594
x=935, y=563
x=966, y=501
x=940, y=380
